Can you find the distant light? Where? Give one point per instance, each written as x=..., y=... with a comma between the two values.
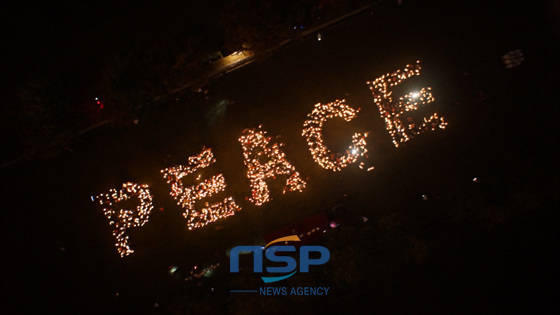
x=415, y=95
x=172, y=269
x=475, y=180
x=354, y=151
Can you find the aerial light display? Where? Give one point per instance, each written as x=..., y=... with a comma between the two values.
x=313, y=133
x=265, y=160
x=123, y=219
x=391, y=112
x=187, y=196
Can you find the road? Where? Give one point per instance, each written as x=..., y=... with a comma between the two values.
x=61, y=253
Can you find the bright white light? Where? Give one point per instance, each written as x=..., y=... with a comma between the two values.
x=415, y=95
x=172, y=270
x=354, y=151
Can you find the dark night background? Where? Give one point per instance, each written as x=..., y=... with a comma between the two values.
x=489, y=245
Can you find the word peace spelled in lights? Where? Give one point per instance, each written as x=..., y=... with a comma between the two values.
x=391, y=111
x=256, y=146
x=313, y=132
x=265, y=160
x=124, y=219
x=187, y=196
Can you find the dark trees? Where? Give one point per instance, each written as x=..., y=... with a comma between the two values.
x=253, y=24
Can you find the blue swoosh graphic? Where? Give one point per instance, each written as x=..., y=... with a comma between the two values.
x=274, y=279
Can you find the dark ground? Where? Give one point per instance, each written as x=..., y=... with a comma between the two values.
x=489, y=246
